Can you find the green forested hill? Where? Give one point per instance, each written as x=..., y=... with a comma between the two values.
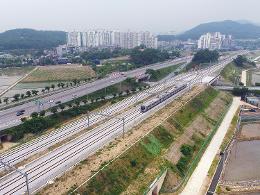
x=236, y=29
x=31, y=39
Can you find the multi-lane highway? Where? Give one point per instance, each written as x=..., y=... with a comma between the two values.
x=55, y=163
x=26, y=150
x=8, y=117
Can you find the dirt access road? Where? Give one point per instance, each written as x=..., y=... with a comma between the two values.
x=196, y=180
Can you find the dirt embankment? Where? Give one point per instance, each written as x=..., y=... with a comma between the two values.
x=201, y=126
x=92, y=164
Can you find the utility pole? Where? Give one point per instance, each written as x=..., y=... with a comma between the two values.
x=123, y=127
x=88, y=117
x=118, y=118
x=24, y=174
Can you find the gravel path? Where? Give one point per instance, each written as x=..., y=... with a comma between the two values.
x=196, y=180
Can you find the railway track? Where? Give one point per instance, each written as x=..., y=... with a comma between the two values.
x=55, y=163
x=40, y=144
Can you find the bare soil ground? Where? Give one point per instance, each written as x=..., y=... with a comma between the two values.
x=7, y=146
x=146, y=178
x=202, y=124
x=250, y=131
x=243, y=162
x=198, y=125
x=88, y=167
x=244, y=158
x=60, y=73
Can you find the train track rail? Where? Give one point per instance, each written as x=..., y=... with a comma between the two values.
x=40, y=144
x=55, y=163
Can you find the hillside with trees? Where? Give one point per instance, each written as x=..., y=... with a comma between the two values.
x=236, y=29
x=31, y=39
x=243, y=62
x=148, y=56
x=203, y=57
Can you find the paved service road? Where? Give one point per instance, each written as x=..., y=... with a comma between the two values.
x=199, y=175
x=8, y=117
x=217, y=175
x=56, y=162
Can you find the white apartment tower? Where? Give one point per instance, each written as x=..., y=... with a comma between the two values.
x=107, y=38
x=74, y=39
x=213, y=41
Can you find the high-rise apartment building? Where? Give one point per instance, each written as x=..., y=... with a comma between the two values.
x=74, y=39
x=106, y=38
x=214, y=41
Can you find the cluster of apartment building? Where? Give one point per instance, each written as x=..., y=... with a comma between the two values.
x=108, y=38
x=214, y=41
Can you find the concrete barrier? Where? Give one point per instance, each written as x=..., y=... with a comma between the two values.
x=155, y=187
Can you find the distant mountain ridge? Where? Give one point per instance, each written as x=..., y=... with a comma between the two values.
x=239, y=30
x=31, y=39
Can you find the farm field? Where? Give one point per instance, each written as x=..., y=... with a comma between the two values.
x=244, y=157
x=21, y=88
x=251, y=130
x=243, y=161
x=8, y=76
x=60, y=73
x=15, y=71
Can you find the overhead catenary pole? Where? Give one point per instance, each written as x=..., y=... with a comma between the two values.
x=27, y=183
x=24, y=174
x=123, y=127
x=88, y=117
x=118, y=118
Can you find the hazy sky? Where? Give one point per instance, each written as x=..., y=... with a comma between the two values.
x=153, y=15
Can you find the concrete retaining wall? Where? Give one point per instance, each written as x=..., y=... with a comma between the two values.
x=155, y=187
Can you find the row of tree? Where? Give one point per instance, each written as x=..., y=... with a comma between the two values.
x=31, y=93
x=39, y=122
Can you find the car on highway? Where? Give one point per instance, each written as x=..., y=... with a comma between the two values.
x=20, y=112
x=58, y=102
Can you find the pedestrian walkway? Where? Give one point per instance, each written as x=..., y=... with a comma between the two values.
x=199, y=175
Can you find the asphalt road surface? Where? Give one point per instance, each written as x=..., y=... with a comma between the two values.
x=8, y=117
x=199, y=175
x=40, y=144
x=55, y=163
